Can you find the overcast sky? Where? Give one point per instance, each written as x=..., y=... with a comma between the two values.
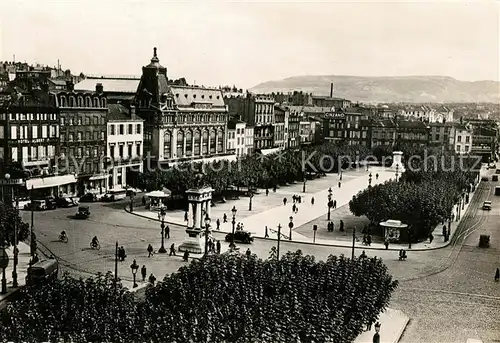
x=245, y=43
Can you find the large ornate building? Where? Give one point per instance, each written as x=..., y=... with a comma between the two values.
x=180, y=122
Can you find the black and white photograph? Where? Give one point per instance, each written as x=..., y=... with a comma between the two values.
x=222, y=171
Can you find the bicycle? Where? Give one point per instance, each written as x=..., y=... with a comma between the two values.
x=95, y=246
x=63, y=239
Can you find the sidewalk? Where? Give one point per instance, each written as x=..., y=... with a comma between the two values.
x=22, y=269
x=273, y=212
x=392, y=326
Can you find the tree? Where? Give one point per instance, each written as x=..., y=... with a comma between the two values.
x=9, y=220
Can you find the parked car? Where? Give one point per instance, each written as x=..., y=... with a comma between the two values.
x=494, y=178
x=50, y=203
x=89, y=197
x=83, y=212
x=240, y=236
x=485, y=178
x=487, y=205
x=114, y=195
x=36, y=205
x=66, y=202
x=22, y=202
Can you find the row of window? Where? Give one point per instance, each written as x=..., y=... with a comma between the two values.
x=194, y=118
x=33, y=153
x=80, y=101
x=79, y=152
x=467, y=139
x=264, y=119
x=121, y=151
x=32, y=116
x=84, y=120
x=119, y=129
x=89, y=136
x=192, y=146
x=33, y=131
x=264, y=108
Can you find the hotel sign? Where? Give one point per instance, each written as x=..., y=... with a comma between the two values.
x=334, y=115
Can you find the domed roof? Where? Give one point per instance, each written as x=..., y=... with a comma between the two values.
x=155, y=62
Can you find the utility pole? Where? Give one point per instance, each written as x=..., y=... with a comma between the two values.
x=279, y=240
x=353, y=241
x=116, y=266
x=32, y=227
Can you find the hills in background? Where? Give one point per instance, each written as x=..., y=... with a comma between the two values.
x=417, y=89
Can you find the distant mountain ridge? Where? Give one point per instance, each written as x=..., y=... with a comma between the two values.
x=417, y=89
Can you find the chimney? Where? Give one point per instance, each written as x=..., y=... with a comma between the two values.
x=70, y=86
x=331, y=90
x=99, y=88
x=132, y=112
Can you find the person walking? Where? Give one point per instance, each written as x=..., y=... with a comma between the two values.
x=172, y=250
x=248, y=253
x=293, y=208
x=376, y=176
x=267, y=192
x=122, y=254
x=167, y=232
x=224, y=218
x=312, y=201
x=386, y=243
x=334, y=204
x=497, y=275
x=284, y=201
x=266, y=235
x=341, y=226
x=300, y=199
x=186, y=216
x=340, y=183
x=185, y=258
x=431, y=237
x=363, y=254
x=143, y=272
x=218, y=247
x=274, y=189
x=218, y=224
x=143, y=201
x=150, y=250
x=152, y=279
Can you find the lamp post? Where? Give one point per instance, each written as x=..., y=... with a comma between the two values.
x=4, y=262
x=370, y=180
x=304, y=186
x=353, y=242
x=250, y=194
x=16, y=250
x=330, y=202
x=161, y=216
x=279, y=240
x=135, y=267
x=131, y=202
x=207, y=228
x=233, y=211
x=397, y=171
x=290, y=225
x=116, y=266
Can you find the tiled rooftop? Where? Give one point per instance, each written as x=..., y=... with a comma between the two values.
x=109, y=85
x=186, y=96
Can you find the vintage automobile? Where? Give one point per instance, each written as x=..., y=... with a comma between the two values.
x=240, y=236
x=42, y=271
x=83, y=212
x=36, y=205
x=50, y=203
x=487, y=205
x=66, y=202
x=89, y=197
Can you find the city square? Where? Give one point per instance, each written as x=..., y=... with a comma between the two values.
x=310, y=209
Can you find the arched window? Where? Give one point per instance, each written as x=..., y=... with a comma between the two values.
x=103, y=103
x=88, y=101
x=167, y=148
x=180, y=144
x=212, y=142
x=80, y=101
x=62, y=100
x=205, y=143
x=189, y=143
x=72, y=102
x=96, y=102
x=220, y=140
x=197, y=138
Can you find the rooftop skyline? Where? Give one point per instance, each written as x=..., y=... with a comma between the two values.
x=217, y=43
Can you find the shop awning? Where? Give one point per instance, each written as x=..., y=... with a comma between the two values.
x=98, y=177
x=50, y=181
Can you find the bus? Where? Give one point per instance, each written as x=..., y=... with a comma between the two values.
x=44, y=270
x=115, y=194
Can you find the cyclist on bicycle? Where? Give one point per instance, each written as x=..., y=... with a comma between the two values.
x=95, y=241
x=62, y=234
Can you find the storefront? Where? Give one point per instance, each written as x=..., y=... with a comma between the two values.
x=61, y=185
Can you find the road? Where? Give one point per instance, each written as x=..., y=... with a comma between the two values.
x=449, y=294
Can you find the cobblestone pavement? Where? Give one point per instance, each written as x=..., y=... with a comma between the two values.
x=449, y=306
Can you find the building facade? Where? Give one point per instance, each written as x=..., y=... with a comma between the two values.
x=353, y=129
x=334, y=126
x=236, y=143
x=412, y=132
x=83, y=119
x=294, y=119
x=249, y=144
x=463, y=140
x=380, y=132
x=124, y=145
x=442, y=134
x=181, y=123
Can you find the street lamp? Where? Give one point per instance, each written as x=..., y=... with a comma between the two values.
x=131, y=202
x=16, y=250
x=279, y=240
x=353, y=242
x=304, y=186
x=233, y=211
x=250, y=194
x=207, y=228
x=290, y=225
x=161, y=216
x=329, y=204
x=397, y=171
x=135, y=267
x=370, y=180
x=4, y=262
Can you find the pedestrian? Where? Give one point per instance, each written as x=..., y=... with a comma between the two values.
x=186, y=256
x=363, y=254
x=143, y=272
x=376, y=336
x=400, y=254
x=143, y=201
x=312, y=201
x=333, y=226
x=248, y=253
x=218, y=224
x=284, y=201
x=300, y=199
x=121, y=253
x=152, y=279
x=274, y=189
x=293, y=208
x=186, y=216
x=150, y=250
x=369, y=240
x=341, y=226
x=444, y=230
x=167, y=232
x=334, y=204
x=431, y=237
x=376, y=176
x=386, y=243
x=224, y=218
x=340, y=184
x=266, y=235
x=218, y=247
x=172, y=250
x=267, y=192
x=497, y=275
